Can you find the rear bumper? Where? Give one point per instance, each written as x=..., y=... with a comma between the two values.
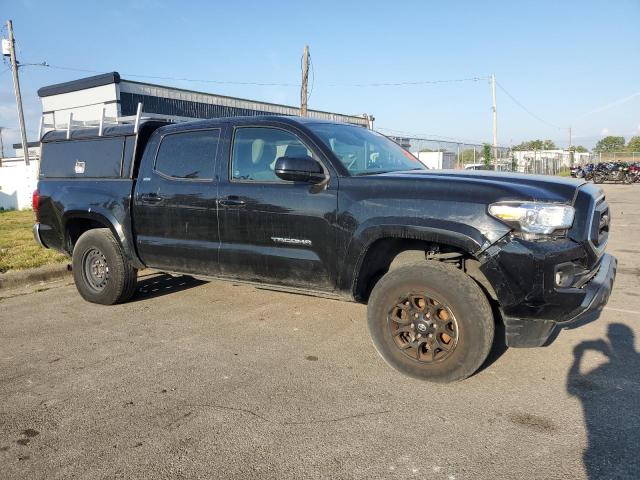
x=529, y=332
x=36, y=235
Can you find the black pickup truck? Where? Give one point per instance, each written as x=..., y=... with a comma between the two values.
x=440, y=257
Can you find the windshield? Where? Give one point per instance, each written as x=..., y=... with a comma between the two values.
x=365, y=152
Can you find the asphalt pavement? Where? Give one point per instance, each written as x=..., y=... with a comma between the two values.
x=216, y=380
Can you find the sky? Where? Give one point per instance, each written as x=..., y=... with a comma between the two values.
x=558, y=64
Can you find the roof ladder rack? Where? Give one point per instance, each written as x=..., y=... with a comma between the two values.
x=102, y=122
x=101, y=126
x=136, y=125
x=69, y=125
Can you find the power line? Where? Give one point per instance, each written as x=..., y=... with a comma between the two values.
x=313, y=77
x=527, y=110
x=431, y=137
x=282, y=84
x=408, y=83
x=611, y=105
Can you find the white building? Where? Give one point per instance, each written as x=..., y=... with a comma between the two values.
x=84, y=101
x=437, y=160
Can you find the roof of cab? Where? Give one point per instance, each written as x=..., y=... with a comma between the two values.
x=251, y=119
x=127, y=129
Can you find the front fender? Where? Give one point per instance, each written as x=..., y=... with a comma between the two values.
x=464, y=237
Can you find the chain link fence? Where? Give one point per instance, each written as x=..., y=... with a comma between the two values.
x=613, y=157
x=460, y=155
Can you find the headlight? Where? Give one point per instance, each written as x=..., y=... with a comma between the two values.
x=540, y=218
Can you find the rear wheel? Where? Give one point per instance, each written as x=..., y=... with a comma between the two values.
x=101, y=272
x=628, y=178
x=598, y=178
x=431, y=321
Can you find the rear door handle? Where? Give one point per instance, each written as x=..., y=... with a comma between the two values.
x=232, y=201
x=150, y=198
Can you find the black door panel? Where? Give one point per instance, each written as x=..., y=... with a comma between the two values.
x=176, y=211
x=272, y=230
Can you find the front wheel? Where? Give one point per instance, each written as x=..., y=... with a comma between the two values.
x=598, y=178
x=431, y=321
x=101, y=272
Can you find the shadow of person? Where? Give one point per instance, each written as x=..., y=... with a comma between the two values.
x=610, y=396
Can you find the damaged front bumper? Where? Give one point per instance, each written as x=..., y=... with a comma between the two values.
x=532, y=304
x=529, y=332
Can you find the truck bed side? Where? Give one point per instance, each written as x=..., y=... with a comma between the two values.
x=86, y=181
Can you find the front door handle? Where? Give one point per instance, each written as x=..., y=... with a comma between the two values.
x=232, y=201
x=151, y=198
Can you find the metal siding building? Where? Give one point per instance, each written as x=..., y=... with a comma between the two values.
x=86, y=98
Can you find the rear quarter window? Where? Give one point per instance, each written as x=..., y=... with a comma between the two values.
x=96, y=158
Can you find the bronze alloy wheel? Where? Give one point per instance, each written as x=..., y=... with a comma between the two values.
x=423, y=328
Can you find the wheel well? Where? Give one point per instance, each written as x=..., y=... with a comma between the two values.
x=388, y=253
x=77, y=226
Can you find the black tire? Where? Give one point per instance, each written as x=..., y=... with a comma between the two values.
x=628, y=178
x=456, y=293
x=101, y=272
x=598, y=178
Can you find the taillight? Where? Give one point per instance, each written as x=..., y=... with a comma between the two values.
x=35, y=203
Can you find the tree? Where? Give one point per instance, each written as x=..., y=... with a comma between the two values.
x=578, y=148
x=486, y=154
x=536, y=145
x=609, y=144
x=466, y=156
x=634, y=144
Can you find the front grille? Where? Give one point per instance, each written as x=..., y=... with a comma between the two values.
x=599, y=231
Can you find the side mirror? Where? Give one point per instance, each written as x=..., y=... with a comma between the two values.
x=299, y=169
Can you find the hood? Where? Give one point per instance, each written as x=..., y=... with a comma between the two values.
x=494, y=186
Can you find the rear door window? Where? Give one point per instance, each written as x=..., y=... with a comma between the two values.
x=188, y=155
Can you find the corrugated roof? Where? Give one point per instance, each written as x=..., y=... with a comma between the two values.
x=114, y=77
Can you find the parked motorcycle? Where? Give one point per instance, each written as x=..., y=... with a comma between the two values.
x=612, y=172
x=585, y=172
x=634, y=173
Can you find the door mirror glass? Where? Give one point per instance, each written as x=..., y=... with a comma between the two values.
x=299, y=169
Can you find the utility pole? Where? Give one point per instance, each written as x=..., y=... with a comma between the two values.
x=571, y=156
x=16, y=88
x=305, y=80
x=494, y=112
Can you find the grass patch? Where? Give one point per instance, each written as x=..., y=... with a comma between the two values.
x=18, y=249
